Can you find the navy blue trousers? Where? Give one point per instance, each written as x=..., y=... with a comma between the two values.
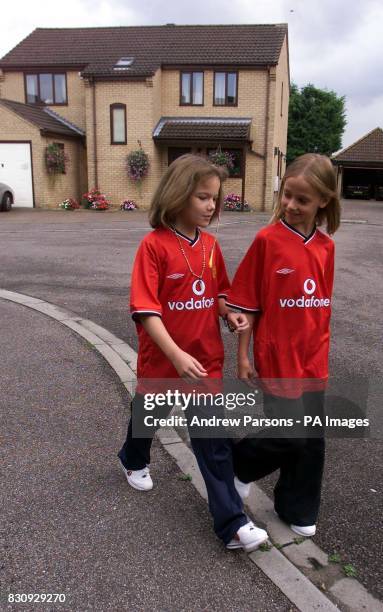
x=300, y=460
x=215, y=461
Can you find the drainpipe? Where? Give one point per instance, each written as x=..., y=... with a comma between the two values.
x=266, y=139
x=94, y=133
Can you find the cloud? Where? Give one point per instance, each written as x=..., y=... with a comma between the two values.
x=334, y=45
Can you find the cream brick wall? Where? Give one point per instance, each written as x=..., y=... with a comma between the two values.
x=142, y=110
x=281, y=110
x=12, y=88
x=158, y=97
x=252, y=101
x=49, y=191
x=146, y=101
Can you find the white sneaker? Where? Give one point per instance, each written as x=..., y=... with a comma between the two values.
x=248, y=537
x=139, y=479
x=308, y=532
x=243, y=488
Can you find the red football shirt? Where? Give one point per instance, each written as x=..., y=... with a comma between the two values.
x=287, y=278
x=163, y=285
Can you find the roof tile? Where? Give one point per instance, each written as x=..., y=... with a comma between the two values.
x=44, y=118
x=202, y=129
x=368, y=149
x=96, y=50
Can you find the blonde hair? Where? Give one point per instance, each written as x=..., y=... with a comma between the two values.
x=319, y=172
x=177, y=185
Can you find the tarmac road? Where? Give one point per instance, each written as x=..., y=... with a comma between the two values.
x=82, y=261
x=71, y=525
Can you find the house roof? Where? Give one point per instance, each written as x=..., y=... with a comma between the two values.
x=369, y=148
x=96, y=51
x=44, y=118
x=212, y=129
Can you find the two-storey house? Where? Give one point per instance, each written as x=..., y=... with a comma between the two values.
x=98, y=92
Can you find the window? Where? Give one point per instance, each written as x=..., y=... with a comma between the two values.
x=46, y=88
x=117, y=123
x=225, y=88
x=191, y=88
x=236, y=171
x=124, y=63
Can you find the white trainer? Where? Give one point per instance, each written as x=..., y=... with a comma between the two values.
x=307, y=532
x=248, y=537
x=243, y=488
x=139, y=479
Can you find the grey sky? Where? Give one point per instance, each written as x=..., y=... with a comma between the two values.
x=334, y=44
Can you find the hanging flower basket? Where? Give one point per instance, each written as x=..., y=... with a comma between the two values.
x=69, y=204
x=95, y=200
x=137, y=165
x=55, y=159
x=222, y=158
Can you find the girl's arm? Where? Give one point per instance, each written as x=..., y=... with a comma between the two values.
x=245, y=369
x=184, y=363
x=236, y=321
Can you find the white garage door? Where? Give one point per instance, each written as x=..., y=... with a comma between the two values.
x=16, y=171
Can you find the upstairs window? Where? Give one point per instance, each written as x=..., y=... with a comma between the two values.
x=191, y=88
x=225, y=88
x=117, y=124
x=124, y=63
x=46, y=88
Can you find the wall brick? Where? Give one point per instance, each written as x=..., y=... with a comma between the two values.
x=146, y=101
x=49, y=190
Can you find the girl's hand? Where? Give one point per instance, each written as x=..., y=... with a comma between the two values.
x=187, y=366
x=245, y=370
x=237, y=322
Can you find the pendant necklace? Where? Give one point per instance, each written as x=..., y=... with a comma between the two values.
x=198, y=276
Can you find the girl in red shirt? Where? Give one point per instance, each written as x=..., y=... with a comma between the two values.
x=178, y=289
x=284, y=285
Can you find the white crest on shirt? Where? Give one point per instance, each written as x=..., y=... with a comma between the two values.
x=175, y=275
x=285, y=271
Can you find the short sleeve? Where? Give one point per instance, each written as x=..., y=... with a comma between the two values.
x=222, y=278
x=145, y=282
x=329, y=272
x=245, y=293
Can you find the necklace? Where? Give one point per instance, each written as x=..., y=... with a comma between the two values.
x=199, y=276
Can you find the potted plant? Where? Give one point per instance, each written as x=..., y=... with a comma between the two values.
x=128, y=205
x=69, y=204
x=96, y=200
x=233, y=202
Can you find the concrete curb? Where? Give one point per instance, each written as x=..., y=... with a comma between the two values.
x=297, y=567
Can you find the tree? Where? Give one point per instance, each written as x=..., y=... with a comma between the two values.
x=316, y=121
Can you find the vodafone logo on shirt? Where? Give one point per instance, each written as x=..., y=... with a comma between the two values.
x=198, y=288
x=304, y=301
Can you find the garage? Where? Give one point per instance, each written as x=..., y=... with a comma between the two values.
x=359, y=182
x=360, y=168
x=16, y=171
